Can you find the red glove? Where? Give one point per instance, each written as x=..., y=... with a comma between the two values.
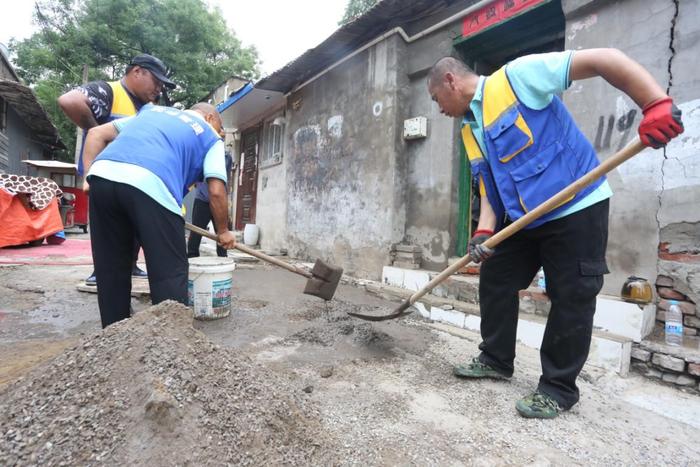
x=661, y=123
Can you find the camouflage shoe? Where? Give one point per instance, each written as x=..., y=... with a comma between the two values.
x=538, y=405
x=477, y=369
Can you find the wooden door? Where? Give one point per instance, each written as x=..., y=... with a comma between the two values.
x=247, y=178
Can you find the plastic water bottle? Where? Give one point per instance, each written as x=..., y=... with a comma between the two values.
x=540, y=280
x=674, y=324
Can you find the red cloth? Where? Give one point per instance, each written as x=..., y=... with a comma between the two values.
x=72, y=252
x=19, y=224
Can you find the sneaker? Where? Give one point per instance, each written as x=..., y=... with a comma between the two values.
x=91, y=281
x=477, y=369
x=538, y=405
x=138, y=272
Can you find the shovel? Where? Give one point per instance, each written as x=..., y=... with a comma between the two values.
x=322, y=280
x=565, y=194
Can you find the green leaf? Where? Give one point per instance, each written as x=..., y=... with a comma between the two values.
x=194, y=41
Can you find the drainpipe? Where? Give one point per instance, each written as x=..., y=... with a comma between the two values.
x=400, y=31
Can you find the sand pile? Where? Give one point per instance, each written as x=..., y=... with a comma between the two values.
x=154, y=391
x=331, y=323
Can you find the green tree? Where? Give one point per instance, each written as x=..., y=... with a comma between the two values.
x=355, y=9
x=194, y=41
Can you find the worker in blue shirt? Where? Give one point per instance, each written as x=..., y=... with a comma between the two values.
x=141, y=170
x=524, y=147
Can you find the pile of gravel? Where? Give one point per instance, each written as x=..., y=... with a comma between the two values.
x=152, y=390
x=332, y=323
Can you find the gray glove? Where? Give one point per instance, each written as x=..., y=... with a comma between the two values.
x=478, y=252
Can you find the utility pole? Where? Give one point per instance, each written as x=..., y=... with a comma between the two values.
x=79, y=131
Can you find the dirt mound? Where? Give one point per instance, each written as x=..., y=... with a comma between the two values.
x=154, y=391
x=332, y=323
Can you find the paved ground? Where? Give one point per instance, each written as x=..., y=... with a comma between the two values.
x=384, y=391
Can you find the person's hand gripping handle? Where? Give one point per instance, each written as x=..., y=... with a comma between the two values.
x=478, y=252
x=661, y=123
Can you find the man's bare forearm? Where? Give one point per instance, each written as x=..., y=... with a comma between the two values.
x=218, y=204
x=487, y=218
x=77, y=108
x=97, y=139
x=620, y=71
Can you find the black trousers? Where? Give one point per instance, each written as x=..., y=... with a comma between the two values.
x=572, y=252
x=118, y=214
x=201, y=216
x=135, y=258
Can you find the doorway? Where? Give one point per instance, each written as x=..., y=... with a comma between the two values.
x=247, y=178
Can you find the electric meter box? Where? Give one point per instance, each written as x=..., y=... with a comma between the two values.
x=416, y=127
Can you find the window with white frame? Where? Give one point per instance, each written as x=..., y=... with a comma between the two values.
x=273, y=138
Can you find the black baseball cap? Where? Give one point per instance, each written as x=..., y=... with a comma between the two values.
x=155, y=66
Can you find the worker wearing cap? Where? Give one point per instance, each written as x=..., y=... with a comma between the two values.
x=100, y=102
x=524, y=147
x=143, y=168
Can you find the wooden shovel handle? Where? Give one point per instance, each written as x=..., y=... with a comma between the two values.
x=629, y=151
x=251, y=252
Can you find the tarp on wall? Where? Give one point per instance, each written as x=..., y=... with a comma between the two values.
x=21, y=224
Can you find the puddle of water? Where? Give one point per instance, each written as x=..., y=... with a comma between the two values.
x=20, y=357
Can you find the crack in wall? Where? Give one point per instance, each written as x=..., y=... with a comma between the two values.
x=676, y=5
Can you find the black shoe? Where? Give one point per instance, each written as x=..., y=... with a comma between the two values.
x=91, y=281
x=138, y=272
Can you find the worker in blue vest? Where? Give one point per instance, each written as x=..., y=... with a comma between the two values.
x=99, y=102
x=524, y=147
x=142, y=168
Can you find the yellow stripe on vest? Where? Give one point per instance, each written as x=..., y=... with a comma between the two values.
x=122, y=105
x=470, y=144
x=499, y=98
x=474, y=153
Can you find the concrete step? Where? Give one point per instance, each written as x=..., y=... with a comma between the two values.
x=445, y=307
x=464, y=288
x=609, y=350
x=613, y=314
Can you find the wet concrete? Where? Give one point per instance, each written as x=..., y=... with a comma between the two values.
x=271, y=312
x=42, y=312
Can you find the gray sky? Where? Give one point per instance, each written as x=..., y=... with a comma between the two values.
x=281, y=30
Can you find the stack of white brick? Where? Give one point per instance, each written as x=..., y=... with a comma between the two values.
x=609, y=349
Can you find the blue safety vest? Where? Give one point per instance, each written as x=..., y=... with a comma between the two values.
x=532, y=154
x=122, y=106
x=168, y=142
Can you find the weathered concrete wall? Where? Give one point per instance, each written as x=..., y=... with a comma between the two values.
x=679, y=193
x=647, y=188
x=271, y=213
x=21, y=145
x=346, y=163
x=433, y=163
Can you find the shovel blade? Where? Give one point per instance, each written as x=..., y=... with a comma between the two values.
x=405, y=309
x=324, y=281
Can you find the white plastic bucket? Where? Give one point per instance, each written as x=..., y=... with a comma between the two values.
x=210, y=286
x=251, y=234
